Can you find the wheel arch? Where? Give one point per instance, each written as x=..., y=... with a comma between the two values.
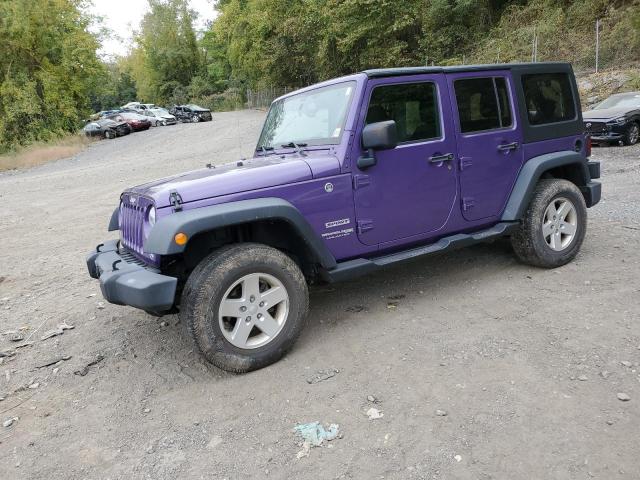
x=568, y=165
x=272, y=221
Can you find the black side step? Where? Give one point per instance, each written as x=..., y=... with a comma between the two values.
x=362, y=266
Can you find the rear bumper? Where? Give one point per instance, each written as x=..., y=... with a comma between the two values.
x=127, y=283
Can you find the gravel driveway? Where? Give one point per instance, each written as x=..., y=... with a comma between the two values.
x=483, y=368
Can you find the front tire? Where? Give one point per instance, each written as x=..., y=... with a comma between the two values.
x=632, y=134
x=554, y=225
x=195, y=119
x=244, y=306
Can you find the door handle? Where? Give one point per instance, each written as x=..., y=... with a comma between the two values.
x=447, y=157
x=506, y=147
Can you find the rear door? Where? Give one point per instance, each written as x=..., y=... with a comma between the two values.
x=489, y=141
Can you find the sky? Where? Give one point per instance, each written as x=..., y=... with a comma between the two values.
x=123, y=16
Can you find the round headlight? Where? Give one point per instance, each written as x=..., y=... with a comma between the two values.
x=151, y=216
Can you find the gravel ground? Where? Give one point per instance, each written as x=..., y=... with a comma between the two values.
x=483, y=368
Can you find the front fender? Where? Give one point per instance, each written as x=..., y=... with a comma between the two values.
x=531, y=173
x=191, y=222
x=114, y=221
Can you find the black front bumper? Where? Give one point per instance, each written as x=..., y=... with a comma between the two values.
x=124, y=281
x=607, y=137
x=607, y=133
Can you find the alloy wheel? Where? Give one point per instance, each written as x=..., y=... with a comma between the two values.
x=253, y=310
x=634, y=133
x=559, y=224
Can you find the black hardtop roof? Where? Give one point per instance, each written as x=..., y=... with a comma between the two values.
x=394, y=72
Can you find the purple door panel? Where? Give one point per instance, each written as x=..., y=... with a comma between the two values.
x=489, y=159
x=405, y=194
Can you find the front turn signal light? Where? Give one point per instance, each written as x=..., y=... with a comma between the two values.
x=180, y=238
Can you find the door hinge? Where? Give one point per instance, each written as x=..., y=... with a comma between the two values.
x=467, y=203
x=176, y=200
x=364, y=226
x=360, y=181
x=465, y=162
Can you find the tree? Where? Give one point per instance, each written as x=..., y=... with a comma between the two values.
x=48, y=67
x=166, y=54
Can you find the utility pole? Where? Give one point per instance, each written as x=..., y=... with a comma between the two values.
x=597, y=43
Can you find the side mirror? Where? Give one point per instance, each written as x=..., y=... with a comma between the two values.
x=377, y=136
x=380, y=135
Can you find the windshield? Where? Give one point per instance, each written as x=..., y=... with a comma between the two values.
x=160, y=111
x=622, y=101
x=315, y=117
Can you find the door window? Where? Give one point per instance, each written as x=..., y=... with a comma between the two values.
x=483, y=104
x=549, y=98
x=413, y=106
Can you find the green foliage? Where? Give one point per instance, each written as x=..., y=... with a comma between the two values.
x=114, y=88
x=297, y=42
x=256, y=43
x=48, y=67
x=566, y=31
x=166, y=57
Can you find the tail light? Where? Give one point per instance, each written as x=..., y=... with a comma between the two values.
x=588, y=146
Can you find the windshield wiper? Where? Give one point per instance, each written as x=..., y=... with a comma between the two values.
x=297, y=146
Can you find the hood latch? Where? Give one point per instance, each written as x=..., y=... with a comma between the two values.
x=176, y=200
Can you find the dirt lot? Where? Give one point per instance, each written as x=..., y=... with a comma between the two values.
x=526, y=363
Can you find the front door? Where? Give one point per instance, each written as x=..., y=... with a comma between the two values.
x=411, y=189
x=489, y=141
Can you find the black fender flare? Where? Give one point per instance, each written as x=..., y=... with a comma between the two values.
x=531, y=172
x=114, y=221
x=191, y=222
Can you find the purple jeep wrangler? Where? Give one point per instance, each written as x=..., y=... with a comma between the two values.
x=349, y=176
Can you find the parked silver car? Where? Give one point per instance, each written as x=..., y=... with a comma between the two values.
x=159, y=116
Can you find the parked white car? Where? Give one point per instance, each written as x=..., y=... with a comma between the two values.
x=138, y=106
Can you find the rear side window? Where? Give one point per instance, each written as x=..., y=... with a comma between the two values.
x=549, y=98
x=413, y=106
x=483, y=104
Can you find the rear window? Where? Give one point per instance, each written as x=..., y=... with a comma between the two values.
x=549, y=98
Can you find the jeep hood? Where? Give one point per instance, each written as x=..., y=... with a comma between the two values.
x=236, y=177
x=604, y=113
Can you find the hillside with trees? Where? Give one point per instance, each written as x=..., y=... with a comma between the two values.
x=51, y=76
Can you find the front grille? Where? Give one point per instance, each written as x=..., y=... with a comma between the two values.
x=595, y=127
x=129, y=257
x=132, y=225
x=206, y=116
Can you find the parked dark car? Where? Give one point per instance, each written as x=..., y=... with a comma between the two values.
x=350, y=176
x=191, y=113
x=135, y=121
x=617, y=119
x=105, y=128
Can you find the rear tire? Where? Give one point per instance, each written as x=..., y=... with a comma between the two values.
x=265, y=297
x=553, y=226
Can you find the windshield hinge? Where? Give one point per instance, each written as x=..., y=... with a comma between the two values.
x=176, y=200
